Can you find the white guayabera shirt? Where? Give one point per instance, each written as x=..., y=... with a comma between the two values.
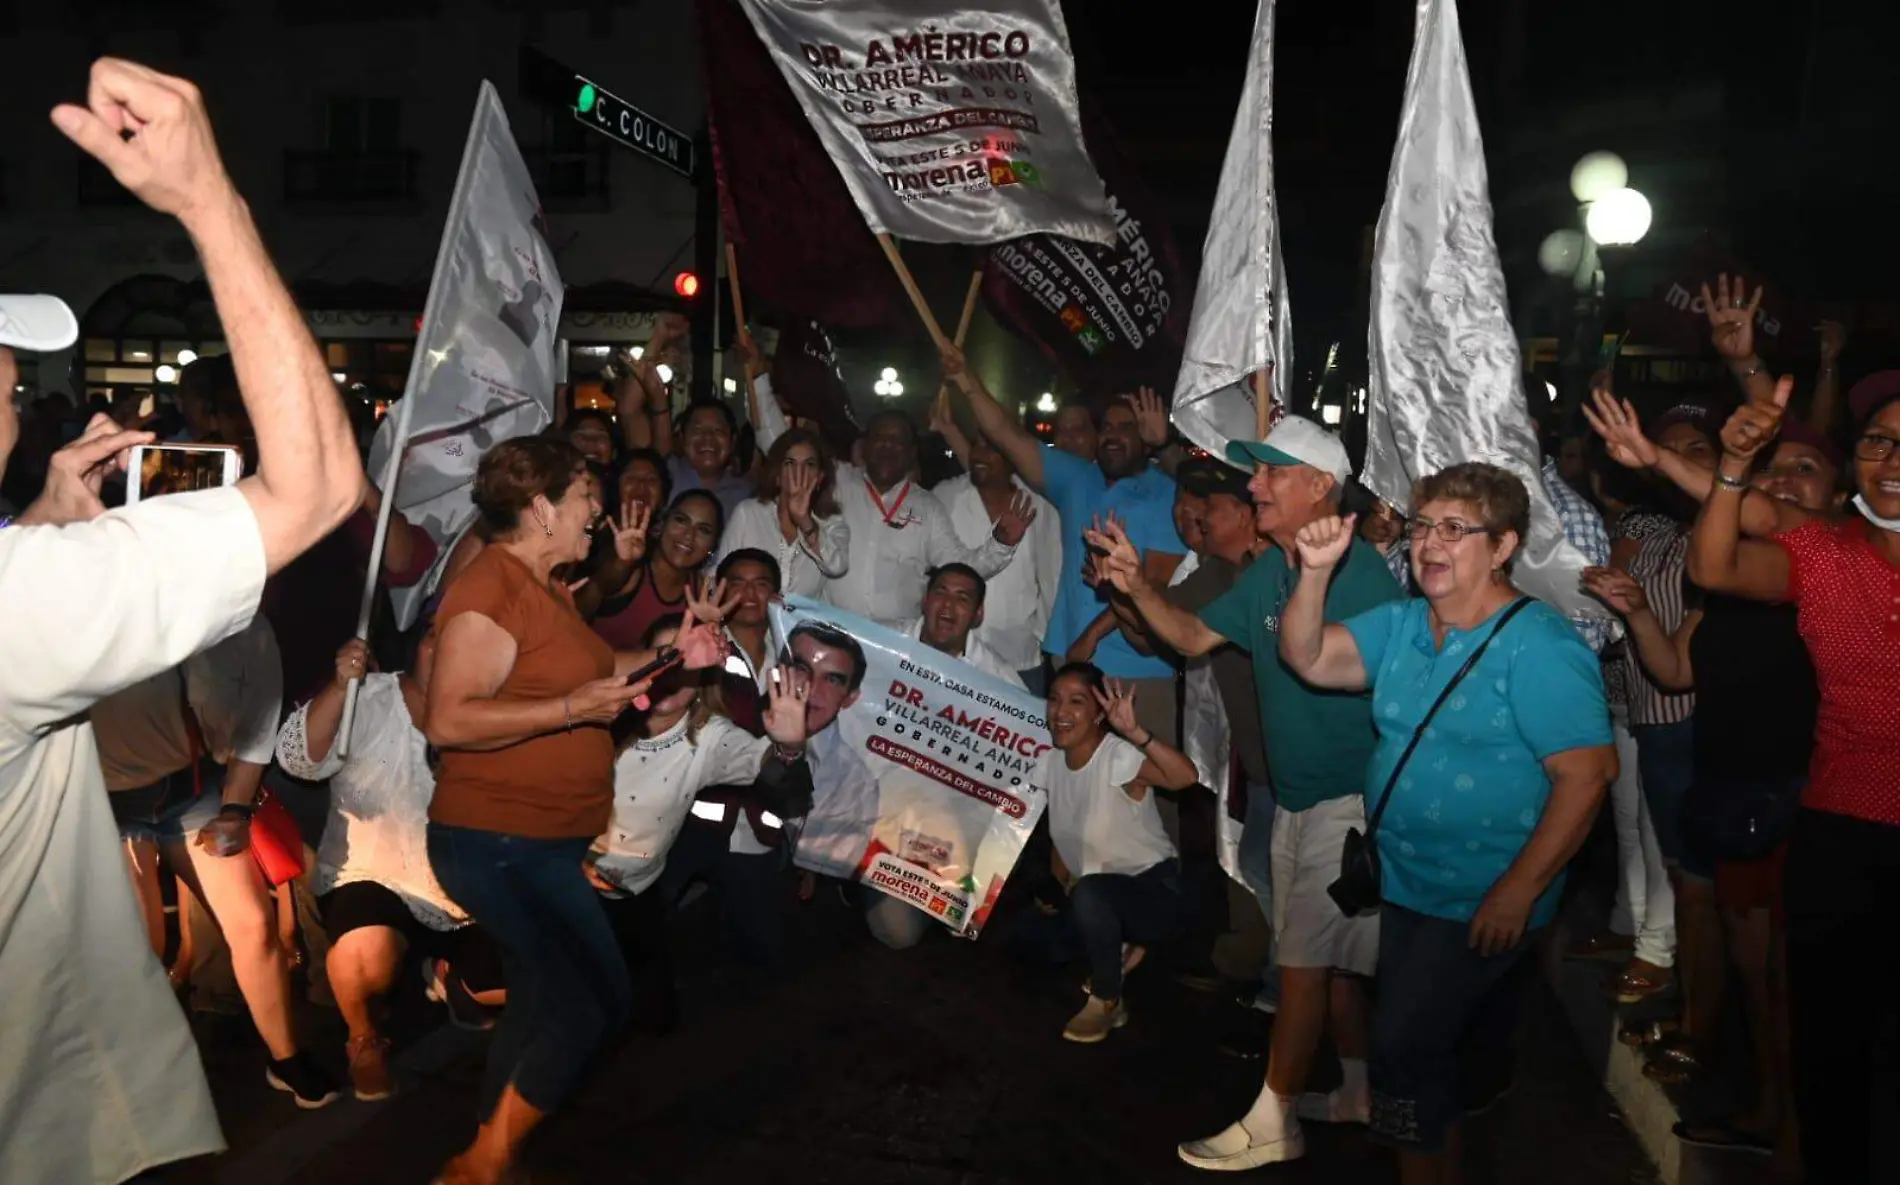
x=99, y=1078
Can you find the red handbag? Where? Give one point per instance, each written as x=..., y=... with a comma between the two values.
x=275, y=841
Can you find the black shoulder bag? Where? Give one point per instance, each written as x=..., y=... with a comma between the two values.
x=1358, y=888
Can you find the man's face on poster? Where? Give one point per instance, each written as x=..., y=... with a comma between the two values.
x=828, y=671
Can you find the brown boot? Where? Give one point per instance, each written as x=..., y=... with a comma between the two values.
x=369, y=1067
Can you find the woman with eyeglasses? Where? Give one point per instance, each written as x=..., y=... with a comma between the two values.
x=1843, y=871
x=1476, y=811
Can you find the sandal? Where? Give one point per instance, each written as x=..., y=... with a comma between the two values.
x=1724, y=1137
x=1638, y=982
x=1673, y=1063
x=1641, y=1034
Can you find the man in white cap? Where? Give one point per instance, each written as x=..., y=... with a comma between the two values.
x=1318, y=746
x=99, y=1078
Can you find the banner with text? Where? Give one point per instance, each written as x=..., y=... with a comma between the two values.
x=1113, y=317
x=949, y=125
x=924, y=785
x=485, y=360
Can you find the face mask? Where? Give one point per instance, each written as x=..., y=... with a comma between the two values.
x=1867, y=512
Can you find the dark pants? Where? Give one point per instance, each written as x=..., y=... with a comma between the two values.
x=1104, y=911
x=1442, y=1023
x=567, y=984
x=1841, y=891
x=639, y=926
x=749, y=889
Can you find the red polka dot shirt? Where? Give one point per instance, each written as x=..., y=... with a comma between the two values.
x=1847, y=597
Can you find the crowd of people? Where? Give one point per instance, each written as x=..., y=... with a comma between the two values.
x=591, y=719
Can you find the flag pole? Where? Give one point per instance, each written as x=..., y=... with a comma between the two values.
x=963, y=322
x=739, y=323
x=1261, y=406
x=399, y=440
x=910, y=289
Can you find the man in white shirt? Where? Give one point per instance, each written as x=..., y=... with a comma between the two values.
x=99, y=1078
x=953, y=609
x=899, y=531
x=1021, y=596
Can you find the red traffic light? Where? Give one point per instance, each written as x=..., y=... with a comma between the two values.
x=686, y=284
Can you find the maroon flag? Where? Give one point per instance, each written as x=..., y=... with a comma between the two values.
x=1674, y=318
x=804, y=248
x=1113, y=318
x=805, y=377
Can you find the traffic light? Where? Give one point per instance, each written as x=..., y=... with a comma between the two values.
x=686, y=285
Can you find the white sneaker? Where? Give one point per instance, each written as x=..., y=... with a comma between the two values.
x=1338, y=1106
x=1236, y=1150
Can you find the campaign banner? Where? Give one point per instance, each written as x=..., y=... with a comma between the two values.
x=924, y=783
x=806, y=378
x=1243, y=320
x=484, y=363
x=1112, y=316
x=948, y=124
x=1675, y=318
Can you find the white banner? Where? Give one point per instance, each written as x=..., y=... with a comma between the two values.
x=1446, y=382
x=484, y=365
x=1242, y=321
x=949, y=124
x=923, y=786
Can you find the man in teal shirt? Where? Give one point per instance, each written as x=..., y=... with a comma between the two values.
x=1319, y=744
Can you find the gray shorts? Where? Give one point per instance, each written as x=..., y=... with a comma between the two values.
x=1307, y=926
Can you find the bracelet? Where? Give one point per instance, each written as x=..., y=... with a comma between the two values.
x=1752, y=371
x=567, y=714
x=1730, y=483
x=242, y=810
x=791, y=756
x=1143, y=745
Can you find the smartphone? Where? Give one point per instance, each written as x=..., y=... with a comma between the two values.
x=667, y=657
x=176, y=468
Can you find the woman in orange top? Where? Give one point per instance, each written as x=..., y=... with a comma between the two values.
x=519, y=706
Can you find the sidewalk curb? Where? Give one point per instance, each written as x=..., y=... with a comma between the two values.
x=1646, y=1107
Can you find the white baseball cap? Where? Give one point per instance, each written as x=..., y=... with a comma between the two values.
x=38, y=323
x=1295, y=440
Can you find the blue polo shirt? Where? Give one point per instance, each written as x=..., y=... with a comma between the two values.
x=1079, y=492
x=1475, y=787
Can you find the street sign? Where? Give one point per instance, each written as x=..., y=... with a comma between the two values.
x=607, y=113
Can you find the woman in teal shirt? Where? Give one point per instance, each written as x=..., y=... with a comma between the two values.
x=1491, y=805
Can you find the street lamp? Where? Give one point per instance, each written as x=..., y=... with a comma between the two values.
x=1618, y=218
x=187, y=357
x=1047, y=403
x=1613, y=215
x=1596, y=175
x=166, y=374
x=887, y=384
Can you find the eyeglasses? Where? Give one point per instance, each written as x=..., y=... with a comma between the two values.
x=1449, y=531
x=1875, y=447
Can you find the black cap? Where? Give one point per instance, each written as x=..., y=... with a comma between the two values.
x=1204, y=479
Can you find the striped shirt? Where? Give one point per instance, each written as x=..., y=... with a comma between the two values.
x=1662, y=553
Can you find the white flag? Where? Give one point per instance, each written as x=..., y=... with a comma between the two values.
x=949, y=124
x=484, y=365
x=1242, y=322
x=1446, y=383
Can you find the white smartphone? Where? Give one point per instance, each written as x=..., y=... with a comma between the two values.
x=176, y=468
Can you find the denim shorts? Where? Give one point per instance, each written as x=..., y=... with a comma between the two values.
x=149, y=814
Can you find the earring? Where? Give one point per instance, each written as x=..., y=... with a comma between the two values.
x=547, y=530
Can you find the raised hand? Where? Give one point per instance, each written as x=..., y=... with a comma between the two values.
x=796, y=487
x=151, y=131
x=1322, y=543
x=1118, y=703
x=630, y=533
x=749, y=353
x=1151, y=417
x=955, y=367
x=352, y=662
x=1617, y=589
x=1615, y=421
x=707, y=601
x=1732, y=317
x=785, y=707
x=1013, y=523
x=602, y=700
x=1755, y=425
x=1114, y=555
x=1833, y=338
x=701, y=644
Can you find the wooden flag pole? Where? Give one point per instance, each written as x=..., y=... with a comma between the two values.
x=738, y=317
x=910, y=288
x=1262, y=403
x=963, y=322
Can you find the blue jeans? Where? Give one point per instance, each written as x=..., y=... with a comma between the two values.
x=567, y=983
x=1665, y=753
x=1442, y=1025
x=1256, y=869
x=1104, y=911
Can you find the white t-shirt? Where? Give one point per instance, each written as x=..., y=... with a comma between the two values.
x=378, y=824
x=802, y=572
x=654, y=784
x=1096, y=826
x=1018, y=600
x=99, y=1077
